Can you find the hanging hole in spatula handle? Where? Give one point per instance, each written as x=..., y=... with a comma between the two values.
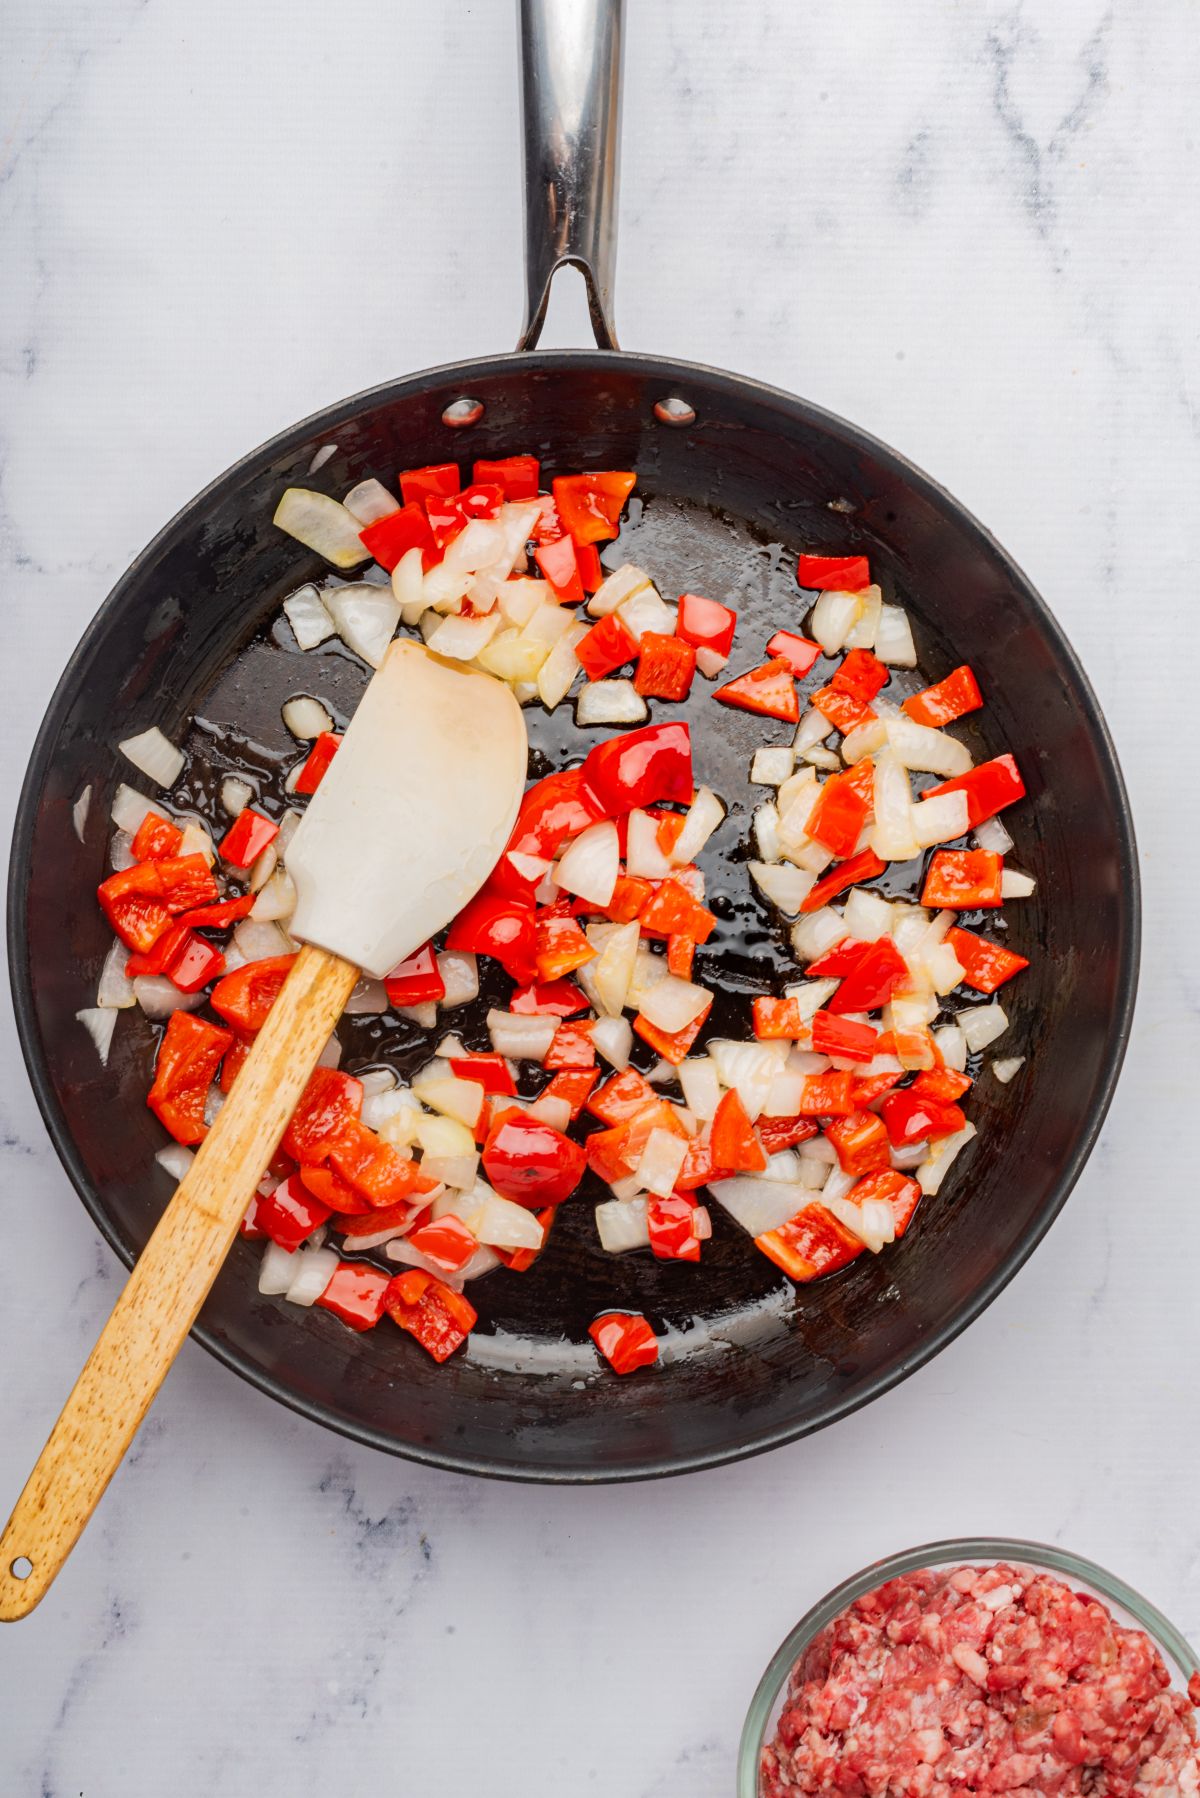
x=571, y=105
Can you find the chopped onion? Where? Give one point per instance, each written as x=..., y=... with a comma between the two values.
x=379, y=1107
x=115, y=991
x=504, y=1225
x=943, y=967
x=672, y=1004
x=910, y=1156
x=557, y=674
x=710, y=663
x=648, y=970
x=816, y=932
x=306, y=718
x=258, y=941
x=551, y=1109
x=456, y=1171
x=645, y=611
x=874, y=1222
x=660, y=1162
x=772, y=764
x=288, y=826
x=315, y=1269
x=813, y=729
x=894, y=639
x=129, y=809
x=940, y=819
x=591, y=863
x=517, y=519
x=703, y=816
x=892, y=834
x=863, y=634
x=375, y=1080
x=1015, y=885
x=619, y=586
x=612, y=971
x=154, y=755
x=159, y=997
x=408, y=585
x=454, y=1098
x=803, y=1061
x=784, y=1095
x=235, y=795
x=461, y=639
x=196, y=841
x=1004, y=1070
x=833, y=618
x=369, y=501
x=701, y=1087
x=784, y=1165
x=784, y=885
x=513, y=657
x=369, y=997
x=443, y=590
x=643, y=856
x=981, y=1025
x=952, y=1047
x=322, y=524
x=750, y=1068
x=175, y=1160
x=811, y=995
x=440, y=1136
x=277, y=899
x=99, y=1021
x=822, y=758
x=621, y=1225
x=482, y=1262
x=929, y=751
x=761, y=1205
x=548, y=625
x=375, y=1239
x=310, y=622
x=79, y=811
x=520, y=598
x=992, y=835
x=613, y=1039
x=460, y=972
x=400, y=1250
x=609, y=702
x=331, y=1054
x=478, y=545
x=525, y=1036
x=864, y=740
x=766, y=831
x=867, y=916
x=365, y=617
x=277, y=1270
x=931, y=1173
x=424, y=1015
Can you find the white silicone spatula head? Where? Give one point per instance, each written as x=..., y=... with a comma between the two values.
x=413, y=811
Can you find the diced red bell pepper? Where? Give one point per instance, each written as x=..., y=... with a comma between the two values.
x=989, y=788
x=553, y=809
x=530, y=1163
x=841, y=710
x=784, y=1133
x=623, y=1097
x=878, y=972
x=195, y=963
x=572, y=1084
x=963, y=879
x=944, y=1085
x=572, y=1046
x=865, y=1092
x=155, y=838
x=608, y=645
x=827, y=1095
x=670, y=1223
x=446, y=1242
x=810, y=1244
x=390, y=538
x=900, y=1191
x=290, y=1214
x=492, y=925
x=560, y=567
x=625, y=1340
x=555, y=998
x=614, y=1154
x=317, y=763
x=699, y=1164
x=377, y=1172
x=629, y=899
x=162, y=952
x=861, y=675
x=547, y=526
x=843, y=958
x=706, y=623
x=449, y=515
x=986, y=965
x=186, y=882
x=864, y=866
x=369, y=1220
x=518, y=477
x=949, y=699
x=245, y=997
x=356, y=1293
x=671, y=908
x=778, y=1019
x=216, y=917
x=672, y=1045
x=417, y=980
x=839, y=574
x=231, y=1067
x=329, y=1102
x=641, y=767
x=491, y=1071
x=247, y=837
x=440, y=1318
x=132, y=902
x=437, y=480
x=681, y=952
x=590, y=505
x=861, y=1142
x=188, y=1057
x=520, y=1260
x=842, y=809
x=910, y=1118
x=666, y=666
x=591, y=570
x=734, y=1144
x=769, y=690
x=798, y=652
x=338, y=1194
x=842, y=1037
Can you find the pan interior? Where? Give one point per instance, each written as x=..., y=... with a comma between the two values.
x=193, y=633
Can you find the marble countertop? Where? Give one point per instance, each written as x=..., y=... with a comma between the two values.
x=956, y=223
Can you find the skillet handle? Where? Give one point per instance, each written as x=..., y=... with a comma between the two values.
x=168, y=1285
x=570, y=107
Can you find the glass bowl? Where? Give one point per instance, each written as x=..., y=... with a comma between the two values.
x=1127, y=1606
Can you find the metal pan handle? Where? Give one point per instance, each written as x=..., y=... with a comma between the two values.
x=570, y=106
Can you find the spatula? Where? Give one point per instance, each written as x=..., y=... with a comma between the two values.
x=406, y=825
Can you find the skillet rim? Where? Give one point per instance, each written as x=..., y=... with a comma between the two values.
x=461, y=374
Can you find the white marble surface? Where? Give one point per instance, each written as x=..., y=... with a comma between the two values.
x=964, y=224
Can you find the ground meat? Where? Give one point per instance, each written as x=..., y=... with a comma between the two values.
x=994, y=1679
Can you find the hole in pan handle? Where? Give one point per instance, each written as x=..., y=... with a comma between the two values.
x=570, y=109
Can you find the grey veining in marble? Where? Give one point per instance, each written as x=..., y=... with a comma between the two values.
x=970, y=226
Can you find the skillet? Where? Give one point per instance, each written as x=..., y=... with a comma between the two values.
x=734, y=477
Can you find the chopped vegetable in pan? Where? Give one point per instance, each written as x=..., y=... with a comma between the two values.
x=818, y=1131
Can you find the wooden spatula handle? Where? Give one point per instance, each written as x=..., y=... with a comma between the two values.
x=169, y=1283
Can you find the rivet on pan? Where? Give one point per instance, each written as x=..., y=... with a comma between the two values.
x=461, y=413
x=674, y=412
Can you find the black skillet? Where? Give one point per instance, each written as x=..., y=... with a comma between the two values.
x=734, y=478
